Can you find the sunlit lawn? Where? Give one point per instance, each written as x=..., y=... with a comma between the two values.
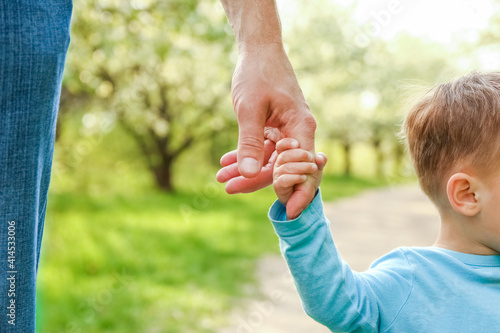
x=155, y=262
x=120, y=256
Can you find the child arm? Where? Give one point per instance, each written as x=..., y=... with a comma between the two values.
x=325, y=284
x=331, y=292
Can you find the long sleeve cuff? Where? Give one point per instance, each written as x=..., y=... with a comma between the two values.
x=284, y=228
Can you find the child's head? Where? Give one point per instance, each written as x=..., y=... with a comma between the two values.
x=454, y=128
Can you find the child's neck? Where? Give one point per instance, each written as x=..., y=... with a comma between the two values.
x=455, y=235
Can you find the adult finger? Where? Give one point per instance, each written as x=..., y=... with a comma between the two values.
x=232, y=156
x=229, y=168
x=229, y=158
x=231, y=171
x=227, y=173
x=247, y=185
x=251, y=122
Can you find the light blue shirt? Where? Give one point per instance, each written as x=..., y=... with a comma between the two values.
x=411, y=289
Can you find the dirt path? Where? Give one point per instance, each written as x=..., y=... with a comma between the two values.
x=364, y=228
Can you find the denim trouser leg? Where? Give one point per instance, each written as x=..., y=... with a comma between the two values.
x=34, y=36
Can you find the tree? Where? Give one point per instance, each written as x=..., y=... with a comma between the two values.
x=161, y=67
x=357, y=93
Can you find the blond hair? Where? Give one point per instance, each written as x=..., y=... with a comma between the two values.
x=455, y=127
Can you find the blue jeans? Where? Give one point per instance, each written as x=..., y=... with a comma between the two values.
x=34, y=37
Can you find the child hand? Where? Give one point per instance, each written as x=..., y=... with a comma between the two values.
x=295, y=172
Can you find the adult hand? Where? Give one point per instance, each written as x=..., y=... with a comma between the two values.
x=236, y=183
x=264, y=88
x=269, y=104
x=266, y=93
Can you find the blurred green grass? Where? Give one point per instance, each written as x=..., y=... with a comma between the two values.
x=156, y=262
x=120, y=256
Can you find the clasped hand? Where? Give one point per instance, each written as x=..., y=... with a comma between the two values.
x=294, y=172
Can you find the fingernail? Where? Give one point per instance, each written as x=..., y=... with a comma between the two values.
x=249, y=165
x=294, y=144
x=311, y=156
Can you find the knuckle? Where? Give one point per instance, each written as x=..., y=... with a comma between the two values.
x=313, y=168
x=279, y=182
x=276, y=176
x=240, y=107
x=287, y=169
x=282, y=159
x=281, y=145
x=279, y=172
x=304, y=155
x=251, y=142
x=310, y=122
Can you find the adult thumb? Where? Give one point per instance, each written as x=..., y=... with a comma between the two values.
x=251, y=142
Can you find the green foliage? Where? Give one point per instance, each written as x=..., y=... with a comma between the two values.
x=171, y=265
x=155, y=262
x=148, y=80
x=95, y=157
x=120, y=256
x=357, y=92
x=160, y=68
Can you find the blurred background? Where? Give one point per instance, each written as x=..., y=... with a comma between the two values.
x=139, y=237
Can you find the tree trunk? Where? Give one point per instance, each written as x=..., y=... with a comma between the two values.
x=347, y=158
x=399, y=152
x=163, y=176
x=379, y=157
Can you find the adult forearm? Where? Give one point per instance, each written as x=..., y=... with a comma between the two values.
x=265, y=92
x=255, y=22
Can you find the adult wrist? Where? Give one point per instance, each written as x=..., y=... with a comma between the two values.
x=255, y=23
x=252, y=45
x=272, y=51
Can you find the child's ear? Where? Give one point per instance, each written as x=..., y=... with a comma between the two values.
x=462, y=192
